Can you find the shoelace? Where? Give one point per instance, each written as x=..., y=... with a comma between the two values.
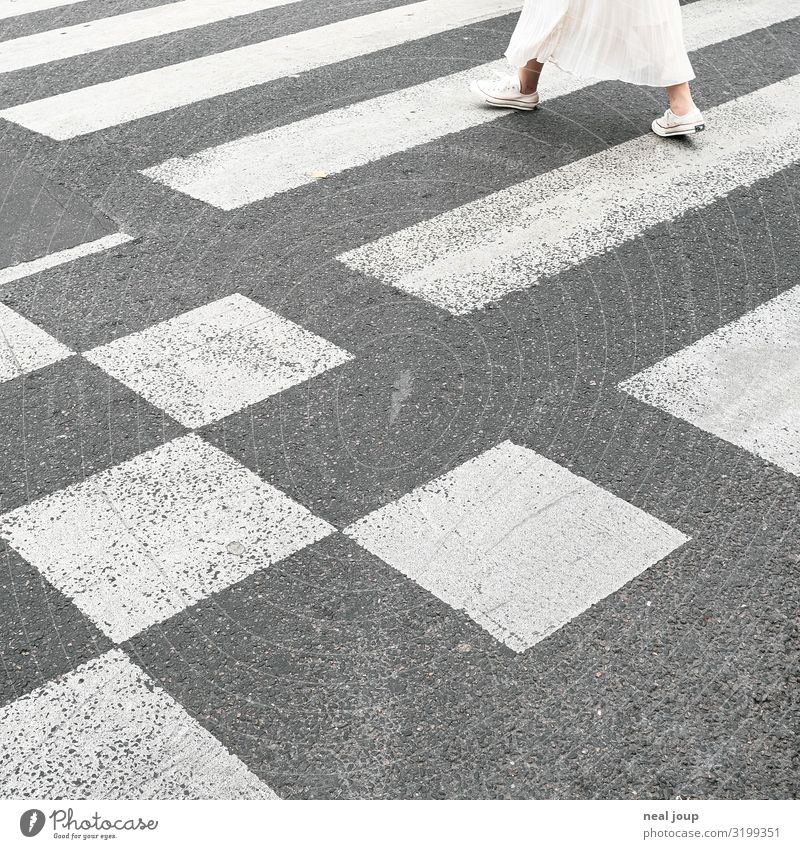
x=671, y=118
x=505, y=81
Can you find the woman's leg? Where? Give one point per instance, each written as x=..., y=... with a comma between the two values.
x=680, y=99
x=516, y=91
x=529, y=77
x=682, y=118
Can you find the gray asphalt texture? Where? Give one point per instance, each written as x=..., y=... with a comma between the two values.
x=330, y=674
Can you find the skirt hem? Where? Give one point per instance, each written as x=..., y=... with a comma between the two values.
x=620, y=77
x=633, y=41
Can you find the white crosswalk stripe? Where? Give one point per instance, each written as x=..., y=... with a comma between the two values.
x=473, y=255
x=741, y=383
x=24, y=347
x=517, y=541
x=257, y=166
x=12, y=8
x=108, y=104
x=104, y=731
x=171, y=540
x=164, y=534
x=216, y=359
x=27, y=269
x=76, y=40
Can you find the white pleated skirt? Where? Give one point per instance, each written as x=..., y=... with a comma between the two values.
x=637, y=41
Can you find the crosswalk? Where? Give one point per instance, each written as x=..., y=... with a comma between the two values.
x=741, y=383
x=510, y=540
x=28, y=269
x=257, y=166
x=108, y=712
x=103, y=105
x=217, y=359
x=13, y=8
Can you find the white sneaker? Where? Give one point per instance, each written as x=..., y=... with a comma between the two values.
x=679, y=125
x=504, y=92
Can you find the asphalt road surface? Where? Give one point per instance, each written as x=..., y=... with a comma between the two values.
x=362, y=441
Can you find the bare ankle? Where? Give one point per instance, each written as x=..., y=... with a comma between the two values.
x=526, y=84
x=682, y=107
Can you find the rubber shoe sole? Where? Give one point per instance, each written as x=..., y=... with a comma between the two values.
x=679, y=130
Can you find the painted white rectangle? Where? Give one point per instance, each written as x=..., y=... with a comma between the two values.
x=106, y=731
x=475, y=254
x=518, y=542
x=12, y=8
x=108, y=104
x=26, y=269
x=24, y=347
x=255, y=167
x=140, y=542
x=258, y=166
x=217, y=359
x=740, y=383
x=79, y=39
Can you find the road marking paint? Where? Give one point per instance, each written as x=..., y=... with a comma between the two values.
x=106, y=731
x=518, y=542
x=476, y=254
x=24, y=347
x=257, y=166
x=13, y=8
x=108, y=104
x=217, y=359
x=79, y=39
x=140, y=542
x=26, y=269
x=740, y=383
